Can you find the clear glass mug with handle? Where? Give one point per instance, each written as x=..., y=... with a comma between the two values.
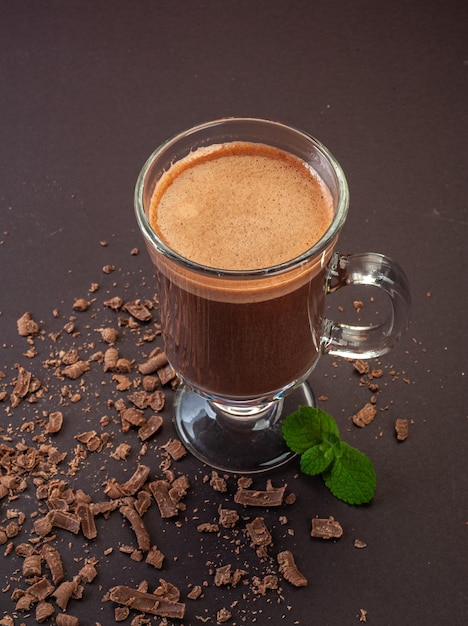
x=244, y=342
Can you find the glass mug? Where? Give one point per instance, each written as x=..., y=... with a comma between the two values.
x=244, y=342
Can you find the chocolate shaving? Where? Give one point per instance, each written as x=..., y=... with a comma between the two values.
x=65, y=520
x=55, y=422
x=54, y=562
x=136, y=481
x=138, y=310
x=225, y=576
x=155, y=557
x=88, y=527
x=132, y=417
x=166, y=374
x=41, y=589
x=155, y=362
x=111, y=356
x=32, y=565
x=62, y=619
x=175, y=448
x=326, y=528
x=43, y=611
x=160, y=490
x=76, y=370
x=88, y=572
x=272, y=496
x=365, y=415
x=138, y=526
x=289, y=570
x=228, y=518
x=259, y=534
x=64, y=592
x=146, y=602
x=151, y=427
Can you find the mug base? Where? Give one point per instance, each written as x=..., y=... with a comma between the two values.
x=234, y=441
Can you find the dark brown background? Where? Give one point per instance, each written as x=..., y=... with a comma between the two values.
x=87, y=91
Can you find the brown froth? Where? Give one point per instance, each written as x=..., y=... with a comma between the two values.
x=240, y=206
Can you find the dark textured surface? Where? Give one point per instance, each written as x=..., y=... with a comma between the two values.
x=88, y=90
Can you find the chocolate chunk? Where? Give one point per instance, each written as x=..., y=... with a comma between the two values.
x=258, y=532
x=138, y=310
x=228, y=518
x=326, y=528
x=155, y=557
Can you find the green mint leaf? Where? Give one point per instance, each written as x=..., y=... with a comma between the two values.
x=308, y=427
x=351, y=477
x=316, y=459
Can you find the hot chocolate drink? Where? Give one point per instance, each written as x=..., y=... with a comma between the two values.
x=241, y=206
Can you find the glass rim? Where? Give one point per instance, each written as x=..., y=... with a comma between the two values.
x=313, y=252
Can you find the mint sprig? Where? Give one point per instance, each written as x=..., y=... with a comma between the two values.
x=347, y=472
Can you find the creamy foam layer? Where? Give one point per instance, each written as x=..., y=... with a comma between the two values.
x=240, y=206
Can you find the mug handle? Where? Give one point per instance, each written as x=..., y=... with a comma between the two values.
x=365, y=342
